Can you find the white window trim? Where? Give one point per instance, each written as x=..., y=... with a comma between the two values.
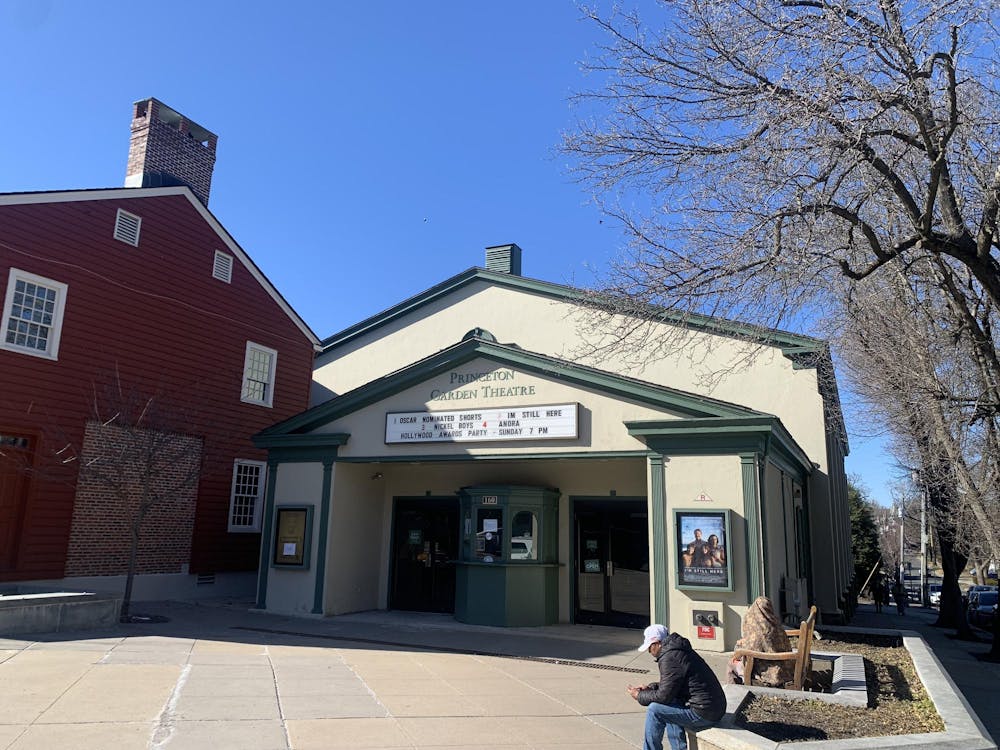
x=123, y=236
x=16, y=275
x=251, y=346
x=258, y=510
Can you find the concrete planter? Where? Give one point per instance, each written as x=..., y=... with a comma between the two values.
x=963, y=730
x=23, y=612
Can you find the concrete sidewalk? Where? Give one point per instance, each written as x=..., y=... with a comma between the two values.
x=979, y=681
x=221, y=678
x=216, y=676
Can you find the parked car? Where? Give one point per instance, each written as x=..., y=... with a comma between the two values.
x=983, y=608
x=934, y=594
x=975, y=589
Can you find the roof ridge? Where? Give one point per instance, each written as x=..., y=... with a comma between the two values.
x=722, y=326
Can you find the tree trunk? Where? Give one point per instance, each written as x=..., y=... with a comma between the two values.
x=133, y=556
x=952, y=612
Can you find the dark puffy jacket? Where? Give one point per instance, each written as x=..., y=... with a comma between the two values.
x=686, y=679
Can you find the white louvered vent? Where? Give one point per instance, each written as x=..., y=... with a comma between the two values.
x=127, y=228
x=222, y=269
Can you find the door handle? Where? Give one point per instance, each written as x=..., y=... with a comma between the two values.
x=611, y=568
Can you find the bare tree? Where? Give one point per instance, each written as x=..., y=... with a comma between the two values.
x=784, y=162
x=133, y=463
x=910, y=353
x=764, y=153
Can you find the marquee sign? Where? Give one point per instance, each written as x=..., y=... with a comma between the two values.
x=478, y=425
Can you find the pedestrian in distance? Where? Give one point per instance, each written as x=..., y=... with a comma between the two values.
x=899, y=592
x=688, y=695
x=879, y=594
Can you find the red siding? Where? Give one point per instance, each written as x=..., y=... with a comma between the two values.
x=156, y=315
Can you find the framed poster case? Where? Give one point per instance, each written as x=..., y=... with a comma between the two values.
x=292, y=534
x=703, y=543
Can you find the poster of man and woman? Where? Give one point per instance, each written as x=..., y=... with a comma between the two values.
x=702, y=545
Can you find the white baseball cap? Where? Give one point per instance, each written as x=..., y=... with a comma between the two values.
x=652, y=634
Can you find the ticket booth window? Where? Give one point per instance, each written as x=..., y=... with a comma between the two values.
x=508, y=570
x=489, y=534
x=524, y=536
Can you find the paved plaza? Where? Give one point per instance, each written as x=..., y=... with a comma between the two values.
x=219, y=677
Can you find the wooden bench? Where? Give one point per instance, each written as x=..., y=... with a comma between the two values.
x=800, y=655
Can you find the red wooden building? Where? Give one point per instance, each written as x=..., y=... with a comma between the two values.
x=139, y=287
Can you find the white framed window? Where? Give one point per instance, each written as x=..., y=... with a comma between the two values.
x=127, y=228
x=246, y=500
x=258, y=374
x=222, y=267
x=32, y=314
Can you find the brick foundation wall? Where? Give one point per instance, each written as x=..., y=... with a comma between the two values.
x=115, y=463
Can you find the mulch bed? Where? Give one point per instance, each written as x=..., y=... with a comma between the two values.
x=897, y=701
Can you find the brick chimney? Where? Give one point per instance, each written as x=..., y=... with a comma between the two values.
x=168, y=149
x=504, y=259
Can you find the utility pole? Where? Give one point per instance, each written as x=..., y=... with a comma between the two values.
x=901, y=563
x=923, y=546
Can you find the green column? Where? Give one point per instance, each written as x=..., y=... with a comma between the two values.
x=266, y=539
x=765, y=556
x=324, y=525
x=752, y=520
x=658, y=511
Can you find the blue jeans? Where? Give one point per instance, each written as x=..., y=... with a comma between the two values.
x=674, y=718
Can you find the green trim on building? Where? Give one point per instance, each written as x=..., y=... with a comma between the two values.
x=762, y=434
x=324, y=528
x=658, y=510
x=752, y=520
x=451, y=457
x=794, y=343
x=805, y=352
x=616, y=386
x=321, y=441
x=765, y=557
x=266, y=541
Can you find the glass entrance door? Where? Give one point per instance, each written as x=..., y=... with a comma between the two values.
x=425, y=547
x=612, y=563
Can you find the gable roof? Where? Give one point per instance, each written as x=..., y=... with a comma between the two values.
x=791, y=344
x=474, y=347
x=803, y=351
x=68, y=196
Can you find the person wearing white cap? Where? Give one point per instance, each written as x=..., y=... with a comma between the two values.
x=687, y=696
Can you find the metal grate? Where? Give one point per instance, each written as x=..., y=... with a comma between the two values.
x=127, y=228
x=447, y=649
x=205, y=579
x=222, y=268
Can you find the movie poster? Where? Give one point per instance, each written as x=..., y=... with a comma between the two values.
x=703, y=549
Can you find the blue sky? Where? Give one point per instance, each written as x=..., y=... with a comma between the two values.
x=367, y=150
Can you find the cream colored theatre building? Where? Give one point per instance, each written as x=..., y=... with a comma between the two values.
x=462, y=456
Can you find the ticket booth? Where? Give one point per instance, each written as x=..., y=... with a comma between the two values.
x=508, y=565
